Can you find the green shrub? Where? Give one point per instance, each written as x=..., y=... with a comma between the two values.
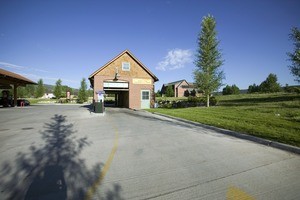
x=213, y=101
x=192, y=99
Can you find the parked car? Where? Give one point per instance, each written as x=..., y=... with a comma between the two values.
x=6, y=102
x=25, y=102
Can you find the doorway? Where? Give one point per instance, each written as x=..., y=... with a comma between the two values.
x=145, y=99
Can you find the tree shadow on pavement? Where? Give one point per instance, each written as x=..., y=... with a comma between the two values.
x=52, y=171
x=89, y=107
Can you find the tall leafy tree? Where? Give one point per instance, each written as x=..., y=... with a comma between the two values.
x=208, y=75
x=295, y=56
x=90, y=93
x=82, y=94
x=65, y=89
x=40, y=90
x=58, y=89
x=270, y=84
x=21, y=92
x=29, y=90
x=235, y=89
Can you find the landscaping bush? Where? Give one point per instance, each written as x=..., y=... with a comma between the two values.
x=213, y=101
x=292, y=89
x=190, y=102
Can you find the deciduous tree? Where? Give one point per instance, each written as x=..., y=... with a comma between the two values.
x=40, y=90
x=253, y=88
x=270, y=84
x=295, y=56
x=231, y=90
x=208, y=75
x=82, y=94
x=58, y=89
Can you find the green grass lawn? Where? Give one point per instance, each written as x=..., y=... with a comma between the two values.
x=271, y=116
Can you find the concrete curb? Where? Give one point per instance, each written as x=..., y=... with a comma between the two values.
x=262, y=141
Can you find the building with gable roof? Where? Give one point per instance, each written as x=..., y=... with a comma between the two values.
x=127, y=78
x=179, y=87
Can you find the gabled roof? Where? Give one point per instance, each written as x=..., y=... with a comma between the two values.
x=7, y=77
x=91, y=77
x=175, y=82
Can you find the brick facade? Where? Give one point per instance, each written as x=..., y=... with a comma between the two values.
x=138, y=78
x=178, y=87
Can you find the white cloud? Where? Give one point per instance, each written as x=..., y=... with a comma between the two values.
x=175, y=59
x=12, y=66
x=34, y=73
x=45, y=78
x=19, y=67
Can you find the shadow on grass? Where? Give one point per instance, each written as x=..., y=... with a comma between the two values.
x=259, y=100
x=53, y=171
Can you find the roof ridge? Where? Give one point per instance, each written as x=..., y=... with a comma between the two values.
x=119, y=55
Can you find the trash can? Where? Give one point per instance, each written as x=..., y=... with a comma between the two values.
x=99, y=107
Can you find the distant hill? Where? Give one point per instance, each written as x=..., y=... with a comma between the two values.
x=50, y=89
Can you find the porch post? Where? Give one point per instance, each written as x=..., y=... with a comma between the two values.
x=15, y=94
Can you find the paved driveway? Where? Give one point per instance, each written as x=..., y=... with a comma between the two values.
x=66, y=152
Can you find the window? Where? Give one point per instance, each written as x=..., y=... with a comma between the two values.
x=125, y=66
x=145, y=95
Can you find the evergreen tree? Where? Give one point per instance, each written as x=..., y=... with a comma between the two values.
x=186, y=93
x=227, y=90
x=40, y=90
x=82, y=94
x=193, y=93
x=169, y=91
x=253, y=88
x=295, y=56
x=158, y=93
x=208, y=75
x=58, y=89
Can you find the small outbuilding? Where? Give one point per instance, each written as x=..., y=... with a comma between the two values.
x=128, y=79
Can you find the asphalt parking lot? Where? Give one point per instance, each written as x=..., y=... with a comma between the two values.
x=67, y=152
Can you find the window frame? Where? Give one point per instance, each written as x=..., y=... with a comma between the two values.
x=125, y=64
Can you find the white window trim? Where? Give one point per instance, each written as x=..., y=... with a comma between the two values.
x=149, y=97
x=123, y=66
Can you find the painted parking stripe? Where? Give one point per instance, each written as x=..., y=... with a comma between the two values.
x=91, y=191
x=234, y=193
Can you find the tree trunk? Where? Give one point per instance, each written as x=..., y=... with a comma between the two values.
x=207, y=100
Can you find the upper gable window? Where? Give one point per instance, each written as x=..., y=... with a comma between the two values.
x=126, y=66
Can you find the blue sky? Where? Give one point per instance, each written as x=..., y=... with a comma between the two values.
x=71, y=39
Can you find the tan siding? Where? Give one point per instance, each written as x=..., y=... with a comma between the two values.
x=136, y=71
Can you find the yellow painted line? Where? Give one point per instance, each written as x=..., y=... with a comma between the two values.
x=235, y=193
x=91, y=191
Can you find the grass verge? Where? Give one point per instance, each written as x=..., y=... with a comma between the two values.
x=271, y=116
